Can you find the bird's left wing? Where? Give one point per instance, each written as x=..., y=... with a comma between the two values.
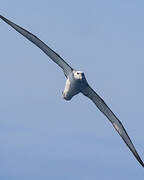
x=98, y=101
x=47, y=50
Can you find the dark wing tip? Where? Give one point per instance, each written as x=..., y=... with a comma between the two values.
x=140, y=161
x=2, y=17
x=142, y=164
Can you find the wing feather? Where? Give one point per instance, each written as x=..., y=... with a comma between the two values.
x=47, y=50
x=99, y=102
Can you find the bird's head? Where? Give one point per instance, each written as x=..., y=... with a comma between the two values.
x=78, y=75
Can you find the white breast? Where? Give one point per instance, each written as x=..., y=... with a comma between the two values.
x=67, y=86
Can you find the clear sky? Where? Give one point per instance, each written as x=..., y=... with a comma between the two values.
x=41, y=135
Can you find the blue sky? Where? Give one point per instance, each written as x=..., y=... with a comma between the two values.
x=41, y=135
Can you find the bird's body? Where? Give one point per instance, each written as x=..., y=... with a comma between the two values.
x=76, y=83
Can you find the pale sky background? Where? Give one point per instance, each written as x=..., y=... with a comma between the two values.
x=41, y=135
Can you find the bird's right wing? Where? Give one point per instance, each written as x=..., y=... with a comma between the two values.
x=99, y=102
x=47, y=50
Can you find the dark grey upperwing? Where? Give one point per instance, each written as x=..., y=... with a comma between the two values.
x=48, y=51
x=90, y=93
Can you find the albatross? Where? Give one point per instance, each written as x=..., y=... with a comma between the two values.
x=76, y=83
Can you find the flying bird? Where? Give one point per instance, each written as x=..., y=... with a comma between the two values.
x=76, y=83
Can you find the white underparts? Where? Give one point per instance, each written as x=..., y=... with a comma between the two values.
x=67, y=87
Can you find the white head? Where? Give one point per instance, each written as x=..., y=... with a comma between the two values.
x=78, y=74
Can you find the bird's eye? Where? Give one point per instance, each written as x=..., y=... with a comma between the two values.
x=78, y=73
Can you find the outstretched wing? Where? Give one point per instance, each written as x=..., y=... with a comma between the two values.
x=98, y=101
x=48, y=51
